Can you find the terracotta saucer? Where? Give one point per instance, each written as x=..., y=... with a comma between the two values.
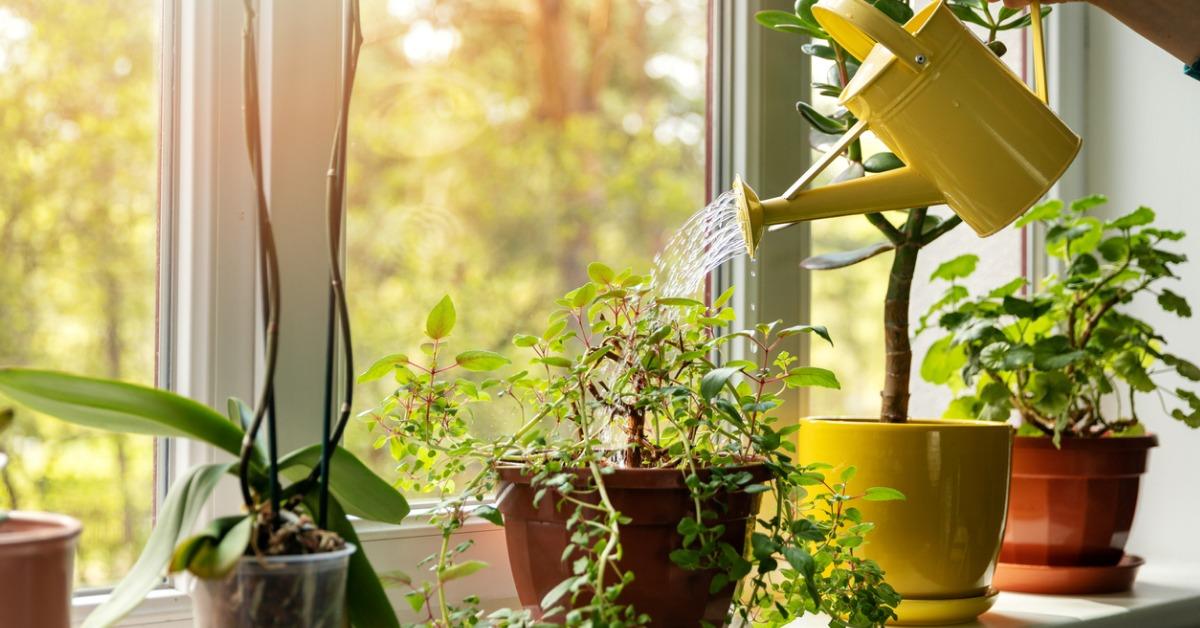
x=1068, y=580
x=917, y=612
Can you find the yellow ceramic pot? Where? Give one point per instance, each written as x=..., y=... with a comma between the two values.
x=939, y=546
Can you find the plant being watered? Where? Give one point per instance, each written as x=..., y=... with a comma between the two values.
x=1054, y=354
x=622, y=379
x=907, y=232
x=293, y=504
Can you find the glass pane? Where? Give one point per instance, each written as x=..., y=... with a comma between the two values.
x=78, y=206
x=498, y=147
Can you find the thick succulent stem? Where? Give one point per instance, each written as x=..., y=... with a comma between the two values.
x=898, y=362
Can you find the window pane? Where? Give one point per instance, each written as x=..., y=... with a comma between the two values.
x=500, y=146
x=78, y=120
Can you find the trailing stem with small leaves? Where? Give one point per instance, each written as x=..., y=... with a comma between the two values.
x=1054, y=356
x=915, y=228
x=622, y=378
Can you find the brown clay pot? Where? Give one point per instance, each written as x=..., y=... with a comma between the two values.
x=37, y=568
x=1073, y=506
x=655, y=500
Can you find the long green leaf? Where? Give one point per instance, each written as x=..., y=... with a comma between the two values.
x=178, y=514
x=366, y=601
x=357, y=487
x=118, y=407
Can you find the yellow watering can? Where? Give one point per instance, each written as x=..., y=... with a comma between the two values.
x=971, y=134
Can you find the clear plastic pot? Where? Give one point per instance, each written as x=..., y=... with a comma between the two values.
x=305, y=591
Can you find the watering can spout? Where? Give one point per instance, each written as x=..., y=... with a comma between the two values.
x=897, y=189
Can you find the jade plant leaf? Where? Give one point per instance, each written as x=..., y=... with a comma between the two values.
x=176, y=517
x=830, y=261
x=366, y=602
x=119, y=407
x=363, y=493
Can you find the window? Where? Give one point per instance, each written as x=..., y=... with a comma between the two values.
x=78, y=219
x=498, y=148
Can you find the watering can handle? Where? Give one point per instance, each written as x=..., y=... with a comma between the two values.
x=858, y=26
x=1039, y=52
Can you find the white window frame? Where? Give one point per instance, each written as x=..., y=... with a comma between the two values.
x=208, y=305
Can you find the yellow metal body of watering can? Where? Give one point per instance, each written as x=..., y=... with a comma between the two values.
x=971, y=133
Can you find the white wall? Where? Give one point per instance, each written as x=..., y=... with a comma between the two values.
x=1142, y=147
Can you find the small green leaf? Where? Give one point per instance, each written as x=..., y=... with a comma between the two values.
x=382, y=367
x=899, y=11
x=811, y=376
x=942, y=360
x=716, y=379
x=957, y=268
x=819, y=330
x=1137, y=218
x=441, y=319
x=1173, y=302
x=848, y=473
x=819, y=121
x=882, y=494
x=524, y=340
x=476, y=360
x=462, y=570
x=882, y=162
x=600, y=273
x=1047, y=211
x=489, y=513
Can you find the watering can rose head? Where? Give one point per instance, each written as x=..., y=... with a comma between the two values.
x=967, y=132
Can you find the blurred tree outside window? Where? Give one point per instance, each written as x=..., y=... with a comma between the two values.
x=498, y=147
x=78, y=219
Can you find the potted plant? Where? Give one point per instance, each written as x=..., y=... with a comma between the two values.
x=289, y=558
x=630, y=493
x=1071, y=364
x=939, y=548
x=37, y=559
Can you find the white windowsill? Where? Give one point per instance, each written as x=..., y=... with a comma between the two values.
x=1165, y=596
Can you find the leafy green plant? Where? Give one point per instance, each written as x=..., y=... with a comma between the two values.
x=1055, y=354
x=916, y=228
x=621, y=378
x=325, y=483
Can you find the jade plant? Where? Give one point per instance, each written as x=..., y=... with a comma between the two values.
x=905, y=233
x=1055, y=353
x=620, y=378
x=296, y=503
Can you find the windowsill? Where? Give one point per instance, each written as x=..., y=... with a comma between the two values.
x=1164, y=596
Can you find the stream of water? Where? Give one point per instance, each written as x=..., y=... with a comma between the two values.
x=711, y=237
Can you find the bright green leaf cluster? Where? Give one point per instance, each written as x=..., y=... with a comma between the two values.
x=1052, y=356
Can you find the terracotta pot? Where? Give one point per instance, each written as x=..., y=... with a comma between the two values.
x=1074, y=505
x=655, y=500
x=37, y=568
x=938, y=547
